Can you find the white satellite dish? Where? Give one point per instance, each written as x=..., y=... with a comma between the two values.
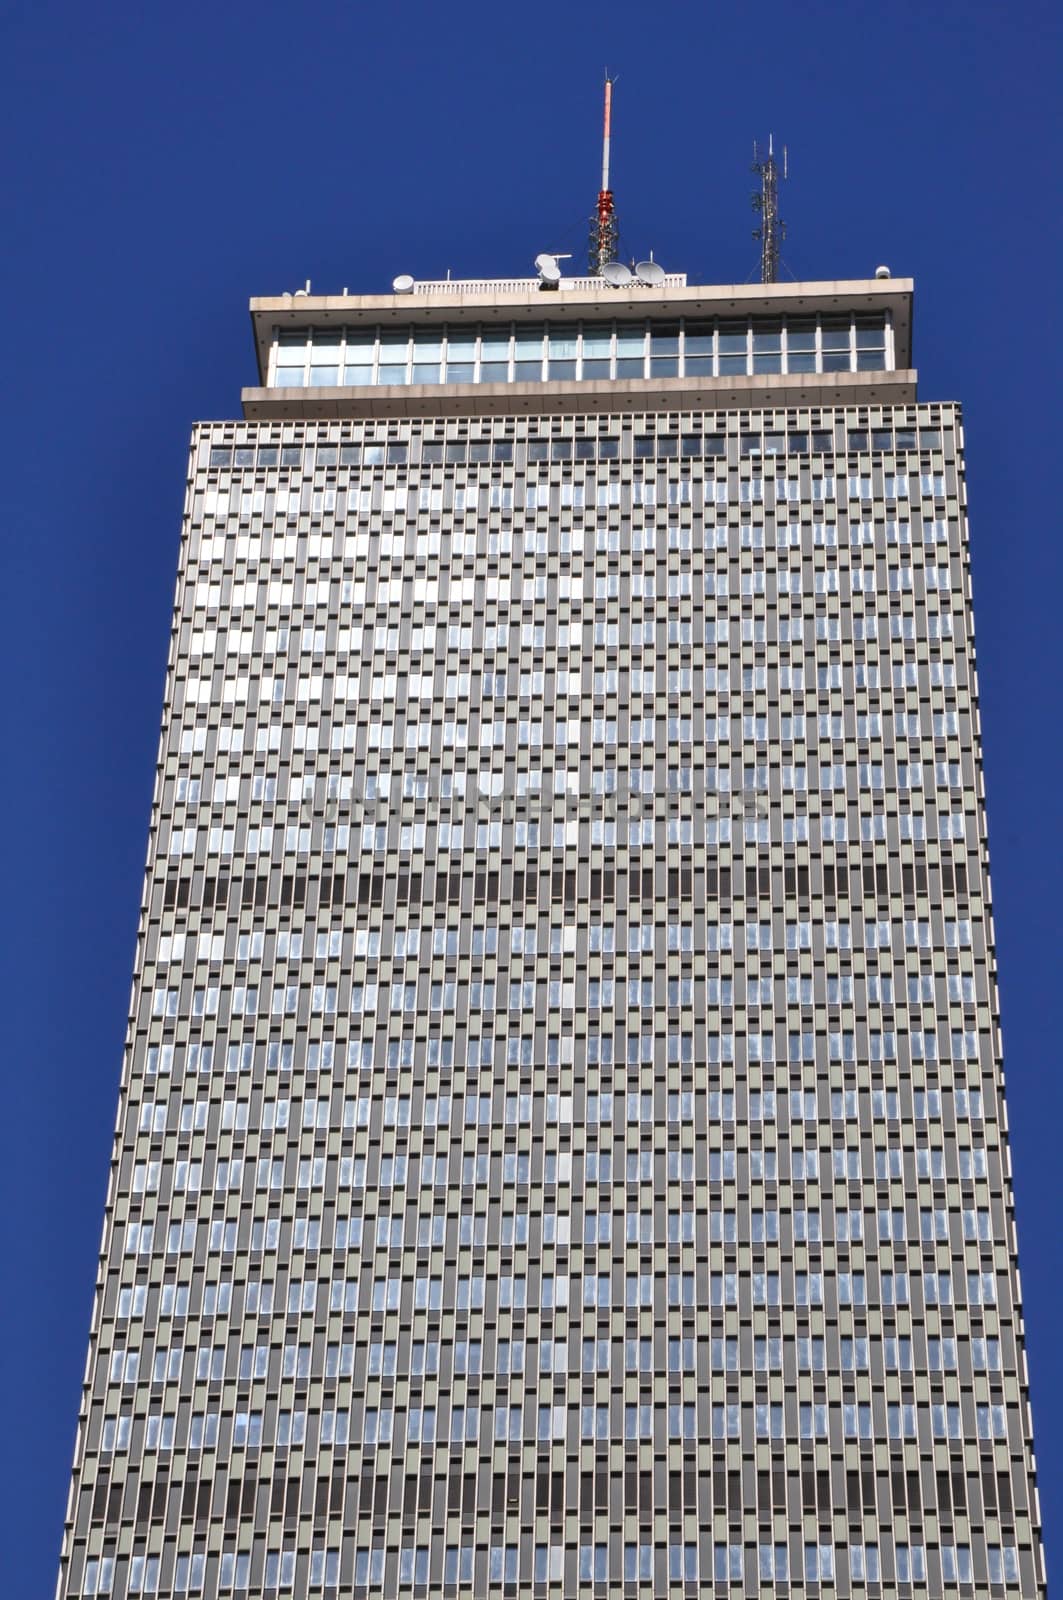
x=649, y=272
x=403, y=284
x=616, y=275
x=547, y=268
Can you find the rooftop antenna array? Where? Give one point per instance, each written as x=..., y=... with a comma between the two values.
x=772, y=230
x=603, y=224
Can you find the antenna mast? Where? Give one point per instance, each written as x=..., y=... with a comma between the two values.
x=603, y=223
x=772, y=230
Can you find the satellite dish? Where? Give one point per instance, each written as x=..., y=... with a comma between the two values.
x=649, y=272
x=616, y=275
x=403, y=284
x=547, y=268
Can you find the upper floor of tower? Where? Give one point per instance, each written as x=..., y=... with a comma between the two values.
x=523, y=346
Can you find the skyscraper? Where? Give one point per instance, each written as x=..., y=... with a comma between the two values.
x=562, y=1147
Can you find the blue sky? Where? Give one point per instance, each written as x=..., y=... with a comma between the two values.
x=161, y=165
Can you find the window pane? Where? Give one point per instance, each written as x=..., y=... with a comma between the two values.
x=835, y=336
x=801, y=336
x=698, y=340
x=664, y=341
x=528, y=345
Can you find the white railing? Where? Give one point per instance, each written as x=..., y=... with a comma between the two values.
x=494, y=286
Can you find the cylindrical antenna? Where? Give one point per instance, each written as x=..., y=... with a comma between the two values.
x=603, y=237
x=605, y=133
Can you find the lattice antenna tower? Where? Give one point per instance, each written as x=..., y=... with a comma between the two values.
x=604, y=231
x=772, y=230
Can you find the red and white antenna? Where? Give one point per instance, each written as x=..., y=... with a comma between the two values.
x=603, y=224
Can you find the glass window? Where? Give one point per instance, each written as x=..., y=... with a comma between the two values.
x=394, y=349
x=291, y=352
x=290, y=363
x=767, y=348
x=835, y=337
x=801, y=346
x=494, y=360
x=562, y=351
x=325, y=344
x=325, y=347
x=597, y=350
x=630, y=353
x=664, y=351
x=528, y=355
x=427, y=356
x=733, y=344
x=870, y=336
x=698, y=345
x=358, y=358
x=461, y=358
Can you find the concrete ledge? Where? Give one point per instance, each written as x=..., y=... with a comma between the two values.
x=620, y=395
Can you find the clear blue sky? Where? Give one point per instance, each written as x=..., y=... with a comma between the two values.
x=164, y=163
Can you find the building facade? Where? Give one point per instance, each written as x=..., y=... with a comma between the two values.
x=561, y=1145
